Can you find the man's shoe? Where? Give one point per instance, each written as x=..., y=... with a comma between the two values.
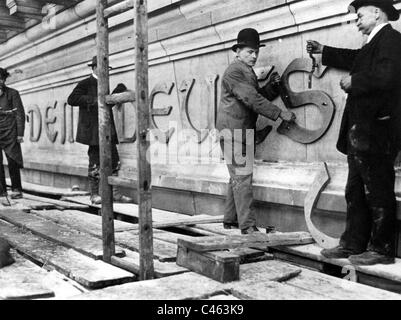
x=96, y=199
x=250, y=230
x=16, y=194
x=338, y=252
x=122, y=199
x=4, y=201
x=369, y=258
x=230, y=225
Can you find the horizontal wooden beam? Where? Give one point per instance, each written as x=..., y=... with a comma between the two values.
x=119, y=8
x=117, y=98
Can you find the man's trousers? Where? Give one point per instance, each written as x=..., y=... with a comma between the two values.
x=239, y=158
x=15, y=175
x=371, y=204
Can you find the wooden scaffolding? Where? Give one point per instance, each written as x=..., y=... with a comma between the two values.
x=140, y=96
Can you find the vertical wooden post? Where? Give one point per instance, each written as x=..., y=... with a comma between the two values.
x=102, y=44
x=143, y=122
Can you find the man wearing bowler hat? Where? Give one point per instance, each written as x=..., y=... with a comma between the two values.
x=85, y=97
x=241, y=101
x=12, y=127
x=369, y=133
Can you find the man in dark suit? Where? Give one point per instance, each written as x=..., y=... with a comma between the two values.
x=242, y=100
x=12, y=127
x=369, y=133
x=85, y=97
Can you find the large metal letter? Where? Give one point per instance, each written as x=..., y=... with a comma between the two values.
x=162, y=136
x=298, y=99
x=50, y=120
x=32, y=111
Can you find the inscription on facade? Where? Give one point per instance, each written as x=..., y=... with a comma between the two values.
x=58, y=117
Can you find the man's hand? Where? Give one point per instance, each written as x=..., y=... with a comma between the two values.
x=20, y=139
x=275, y=79
x=287, y=116
x=313, y=46
x=346, y=83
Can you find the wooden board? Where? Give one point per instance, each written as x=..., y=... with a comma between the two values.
x=162, y=269
x=340, y=289
x=48, y=190
x=125, y=235
x=90, y=273
x=59, y=204
x=188, y=285
x=163, y=251
x=161, y=218
x=70, y=238
x=221, y=266
x=312, y=251
x=27, y=205
x=23, y=280
x=248, y=240
x=82, y=221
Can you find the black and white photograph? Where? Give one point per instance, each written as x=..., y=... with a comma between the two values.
x=198, y=156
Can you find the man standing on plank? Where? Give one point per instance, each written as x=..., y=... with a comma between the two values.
x=85, y=97
x=369, y=133
x=12, y=127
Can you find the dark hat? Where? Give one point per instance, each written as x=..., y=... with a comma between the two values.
x=94, y=62
x=4, y=73
x=247, y=38
x=386, y=5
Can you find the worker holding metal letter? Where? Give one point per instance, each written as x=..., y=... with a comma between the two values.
x=85, y=96
x=369, y=133
x=241, y=101
x=12, y=127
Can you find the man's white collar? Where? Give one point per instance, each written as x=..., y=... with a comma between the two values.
x=94, y=75
x=376, y=30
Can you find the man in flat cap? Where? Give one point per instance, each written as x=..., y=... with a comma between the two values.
x=12, y=127
x=369, y=133
x=85, y=97
x=242, y=100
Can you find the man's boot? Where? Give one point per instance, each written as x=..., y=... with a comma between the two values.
x=94, y=190
x=4, y=201
x=5, y=256
x=16, y=194
x=118, y=197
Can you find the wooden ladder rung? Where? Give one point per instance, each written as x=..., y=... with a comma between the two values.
x=117, y=98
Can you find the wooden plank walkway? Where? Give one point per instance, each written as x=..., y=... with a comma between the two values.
x=259, y=281
x=68, y=231
x=84, y=270
x=391, y=272
x=26, y=280
x=67, y=237
x=161, y=218
x=46, y=190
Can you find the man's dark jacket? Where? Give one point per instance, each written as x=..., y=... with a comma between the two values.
x=371, y=121
x=12, y=124
x=242, y=100
x=85, y=96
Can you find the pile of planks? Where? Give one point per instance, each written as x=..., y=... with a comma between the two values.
x=210, y=255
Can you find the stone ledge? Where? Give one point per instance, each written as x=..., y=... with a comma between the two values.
x=268, y=185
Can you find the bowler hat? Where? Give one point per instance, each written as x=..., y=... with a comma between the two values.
x=386, y=5
x=4, y=73
x=94, y=62
x=247, y=38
